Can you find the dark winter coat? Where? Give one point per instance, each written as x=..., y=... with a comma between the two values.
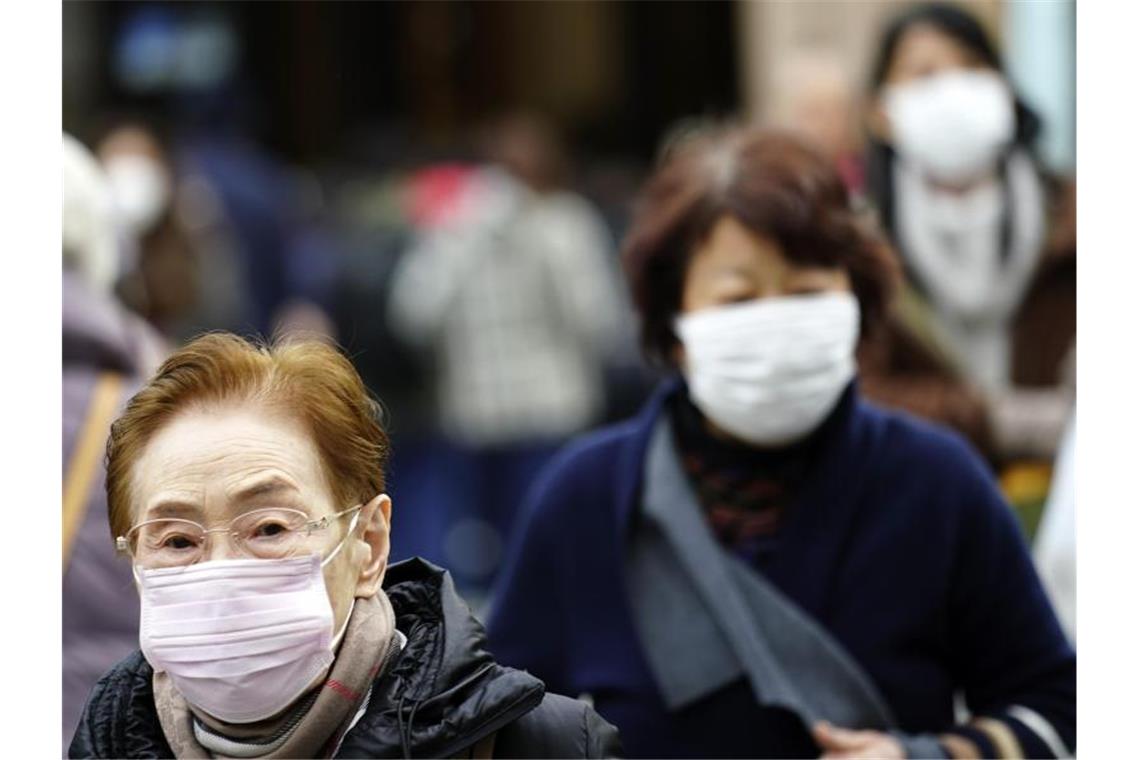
x=901, y=547
x=443, y=694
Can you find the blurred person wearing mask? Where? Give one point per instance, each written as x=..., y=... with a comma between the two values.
x=956, y=184
x=106, y=353
x=245, y=483
x=160, y=277
x=179, y=263
x=251, y=235
x=511, y=286
x=761, y=563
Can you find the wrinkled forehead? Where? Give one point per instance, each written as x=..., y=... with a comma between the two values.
x=216, y=462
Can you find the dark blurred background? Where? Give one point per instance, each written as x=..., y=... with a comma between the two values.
x=319, y=82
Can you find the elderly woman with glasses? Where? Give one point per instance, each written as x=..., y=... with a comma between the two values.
x=246, y=484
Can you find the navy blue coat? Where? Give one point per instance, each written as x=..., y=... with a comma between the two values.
x=901, y=546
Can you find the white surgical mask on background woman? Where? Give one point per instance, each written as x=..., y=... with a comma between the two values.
x=769, y=371
x=953, y=125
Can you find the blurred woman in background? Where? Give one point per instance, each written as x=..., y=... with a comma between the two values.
x=107, y=352
x=511, y=291
x=985, y=238
x=161, y=279
x=761, y=563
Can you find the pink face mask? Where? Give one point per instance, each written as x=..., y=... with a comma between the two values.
x=240, y=639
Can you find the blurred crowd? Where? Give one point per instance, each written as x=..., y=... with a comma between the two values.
x=479, y=293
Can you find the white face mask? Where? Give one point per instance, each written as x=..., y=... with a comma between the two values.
x=954, y=125
x=243, y=638
x=769, y=371
x=141, y=190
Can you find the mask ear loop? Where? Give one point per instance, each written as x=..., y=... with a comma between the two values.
x=347, y=535
x=343, y=626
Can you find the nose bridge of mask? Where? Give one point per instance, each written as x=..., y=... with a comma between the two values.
x=228, y=599
x=774, y=321
x=771, y=340
x=202, y=607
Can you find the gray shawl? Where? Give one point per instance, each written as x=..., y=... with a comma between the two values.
x=706, y=619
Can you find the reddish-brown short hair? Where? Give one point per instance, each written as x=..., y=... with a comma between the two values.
x=311, y=381
x=771, y=182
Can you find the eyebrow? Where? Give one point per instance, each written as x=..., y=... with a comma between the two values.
x=171, y=508
x=736, y=270
x=272, y=485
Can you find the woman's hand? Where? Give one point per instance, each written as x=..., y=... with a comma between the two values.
x=843, y=743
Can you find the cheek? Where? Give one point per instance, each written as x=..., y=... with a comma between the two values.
x=697, y=281
x=690, y=296
x=702, y=291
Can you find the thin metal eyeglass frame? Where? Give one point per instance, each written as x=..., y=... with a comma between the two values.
x=122, y=543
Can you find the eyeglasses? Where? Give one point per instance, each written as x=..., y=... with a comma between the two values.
x=274, y=533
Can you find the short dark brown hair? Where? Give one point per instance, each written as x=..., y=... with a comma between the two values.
x=313, y=382
x=775, y=185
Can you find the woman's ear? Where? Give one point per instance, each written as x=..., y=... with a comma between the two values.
x=376, y=524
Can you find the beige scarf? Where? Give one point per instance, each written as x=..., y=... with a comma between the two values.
x=314, y=725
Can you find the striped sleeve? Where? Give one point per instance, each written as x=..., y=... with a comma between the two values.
x=1012, y=662
x=1020, y=733
x=966, y=742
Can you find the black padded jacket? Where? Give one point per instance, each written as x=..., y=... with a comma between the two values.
x=443, y=695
